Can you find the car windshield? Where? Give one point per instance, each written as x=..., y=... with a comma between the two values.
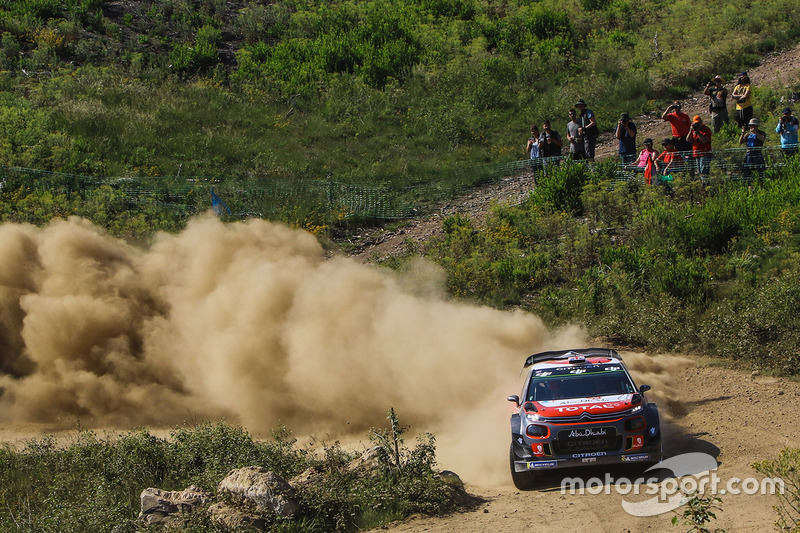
x=568, y=383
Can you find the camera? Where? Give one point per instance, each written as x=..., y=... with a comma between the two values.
x=695, y=126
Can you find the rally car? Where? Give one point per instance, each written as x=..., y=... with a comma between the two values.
x=580, y=407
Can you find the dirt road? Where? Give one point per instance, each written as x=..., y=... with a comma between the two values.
x=732, y=415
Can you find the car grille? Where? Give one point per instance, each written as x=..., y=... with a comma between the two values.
x=585, y=417
x=577, y=440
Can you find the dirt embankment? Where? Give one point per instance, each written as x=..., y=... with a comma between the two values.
x=776, y=70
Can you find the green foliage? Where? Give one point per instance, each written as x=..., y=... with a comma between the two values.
x=715, y=269
x=201, y=56
x=560, y=187
x=93, y=484
x=424, y=86
x=697, y=513
x=787, y=468
x=375, y=43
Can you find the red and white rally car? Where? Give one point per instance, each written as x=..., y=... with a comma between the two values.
x=580, y=407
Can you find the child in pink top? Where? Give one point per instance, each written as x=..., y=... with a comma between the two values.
x=648, y=152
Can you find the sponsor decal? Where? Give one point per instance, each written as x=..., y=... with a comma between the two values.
x=610, y=399
x=542, y=464
x=588, y=432
x=589, y=459
x=587, y=443
x=588, y=454
x=636, y=457
x=590, y=408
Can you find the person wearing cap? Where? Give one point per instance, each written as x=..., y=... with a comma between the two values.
x=787, y=127
x=647, y=153
x=753, y=138
x=742, y=95
x=575, y=136
x=549, y=141
x=700, y=138
x=670, y=159
x=589, y=128
x=681, y=124
x=626, y=134
x=715, y=89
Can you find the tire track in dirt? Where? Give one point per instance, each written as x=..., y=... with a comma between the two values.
x=731, y=414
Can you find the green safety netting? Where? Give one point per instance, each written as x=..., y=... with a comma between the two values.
x=261, y=196
x=265, y=197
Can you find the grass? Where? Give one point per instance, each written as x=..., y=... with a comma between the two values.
x=712, y=270
x=93, y=483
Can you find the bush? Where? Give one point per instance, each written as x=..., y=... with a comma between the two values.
x=786, y=467
x=93, y=484
x=559, y=187
x=200, y=57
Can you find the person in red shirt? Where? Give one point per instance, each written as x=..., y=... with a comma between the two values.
x=700, y=137
x=670, y=159
x=681, y=124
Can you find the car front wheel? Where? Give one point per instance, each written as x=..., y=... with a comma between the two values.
x=522, y=480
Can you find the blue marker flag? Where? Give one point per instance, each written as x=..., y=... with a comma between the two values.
x=217, y=205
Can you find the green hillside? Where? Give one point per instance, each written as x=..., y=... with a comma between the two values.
x=367, y=91
x=321, y=100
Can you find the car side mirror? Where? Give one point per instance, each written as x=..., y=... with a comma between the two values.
x=514, y=398
x=644, y=388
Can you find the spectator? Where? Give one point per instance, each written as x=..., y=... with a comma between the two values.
x=575, y=137
x=647, y=160
x=549, y=141
x=670, y=159
x=589, y=128
x=742, y=95
x=700, y=137
x=626, y=134
x=681, y=124
x=753, y=138
x=787, y=127
x=718, y=106
x=533, y=148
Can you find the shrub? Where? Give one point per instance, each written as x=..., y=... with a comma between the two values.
x=93, y=484
x=786, y=467
x=201, y=56
x=559, y=187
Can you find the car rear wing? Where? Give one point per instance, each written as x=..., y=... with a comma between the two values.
x=568, y=354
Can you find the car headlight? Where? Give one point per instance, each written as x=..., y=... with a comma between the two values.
x=537, y=431
x=637, y=409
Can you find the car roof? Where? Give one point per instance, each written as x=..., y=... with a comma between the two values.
x=572, y=356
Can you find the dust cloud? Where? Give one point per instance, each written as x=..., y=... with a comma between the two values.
x=251, y=323
x=247, y=321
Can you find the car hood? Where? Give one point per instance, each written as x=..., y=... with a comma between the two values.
x=596, y=405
